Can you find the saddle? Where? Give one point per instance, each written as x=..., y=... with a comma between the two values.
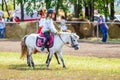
x=40, y=40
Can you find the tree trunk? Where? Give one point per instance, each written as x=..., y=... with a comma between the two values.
x=48, y=3
x=22, y=10
x=91, y=6
x=14, y=4
x=86, y=10
x=7, y=8
x=77, y=9
x=112, y=12
x=106, y=12
x=2, y=5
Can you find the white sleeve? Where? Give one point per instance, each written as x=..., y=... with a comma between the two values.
x=52, y=27
x=41, y=22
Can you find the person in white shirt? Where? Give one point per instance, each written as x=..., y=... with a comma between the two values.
x=63, y=24
x=2, y=27
x=42, y=20
x=48, y=27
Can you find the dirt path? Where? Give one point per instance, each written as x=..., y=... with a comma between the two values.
x=86, y=49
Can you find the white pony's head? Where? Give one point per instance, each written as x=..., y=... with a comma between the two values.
x=74, y=41
x=71, y=38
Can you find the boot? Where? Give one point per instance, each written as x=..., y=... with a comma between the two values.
x=42, y=48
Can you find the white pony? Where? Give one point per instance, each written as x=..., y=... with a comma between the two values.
x=29, y=46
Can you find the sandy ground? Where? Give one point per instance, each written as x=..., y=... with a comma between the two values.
x=86, y=49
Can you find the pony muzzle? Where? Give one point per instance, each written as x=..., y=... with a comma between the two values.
x=76, y=47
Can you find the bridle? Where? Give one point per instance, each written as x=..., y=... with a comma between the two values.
x=71, y=41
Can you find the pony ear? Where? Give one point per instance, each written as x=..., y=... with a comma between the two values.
x=76, y=35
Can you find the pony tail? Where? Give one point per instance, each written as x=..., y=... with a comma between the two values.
x=23, y=48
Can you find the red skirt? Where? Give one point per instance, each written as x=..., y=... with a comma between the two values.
x=39, y=30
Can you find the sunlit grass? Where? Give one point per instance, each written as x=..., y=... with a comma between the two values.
x=94, y=39
x=78, y=68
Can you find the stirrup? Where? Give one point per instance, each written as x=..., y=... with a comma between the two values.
x=42, y=48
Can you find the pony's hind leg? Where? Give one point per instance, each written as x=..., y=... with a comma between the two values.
x=55, y=56
x=30, y=60
x=33, y=65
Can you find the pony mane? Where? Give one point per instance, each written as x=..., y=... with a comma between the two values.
x=76, y=35
x=69, y=33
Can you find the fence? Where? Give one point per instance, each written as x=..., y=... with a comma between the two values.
x=20, y=29
x=114, y=31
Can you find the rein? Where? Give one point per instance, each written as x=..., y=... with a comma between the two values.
x=61, y=39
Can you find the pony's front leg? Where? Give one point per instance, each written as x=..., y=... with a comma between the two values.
x=60, y=55
x=49, y=59
x=57, y=58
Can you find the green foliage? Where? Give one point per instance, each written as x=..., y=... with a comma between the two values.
x=65, y=4
x=10, y=6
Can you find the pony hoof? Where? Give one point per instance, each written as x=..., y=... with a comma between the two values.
x=48, y=68
x=64, y=67
x=47, y=64
x=59, y=63
x=33, y=67
x=29, y=65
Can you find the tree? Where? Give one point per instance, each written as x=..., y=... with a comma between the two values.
x=89, y=9
x=21, y=3
x=77, y=7
x=2, y=5
x=101, y=5
x=112, y=12
x=4, y=1
x=14, y=2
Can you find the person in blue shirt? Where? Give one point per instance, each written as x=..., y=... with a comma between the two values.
x=104, y=28
x=2, y=28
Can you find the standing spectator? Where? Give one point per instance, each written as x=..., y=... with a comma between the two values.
x=63, y=25
x=42, y=20
x=2, y=27
x=104, y=28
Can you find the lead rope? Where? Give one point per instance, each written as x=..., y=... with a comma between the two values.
x=63, y=41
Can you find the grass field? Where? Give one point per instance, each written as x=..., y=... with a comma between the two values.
x=78, y=68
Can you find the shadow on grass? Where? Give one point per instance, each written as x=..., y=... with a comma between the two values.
x=24, y=67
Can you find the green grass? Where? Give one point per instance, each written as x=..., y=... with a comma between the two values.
x=78, y=68
x=99, y=40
